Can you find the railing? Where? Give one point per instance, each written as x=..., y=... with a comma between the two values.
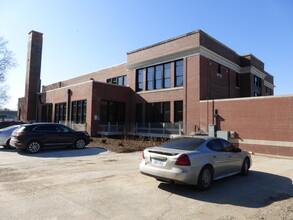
x=164, y=128
x=144, y=129
x=111, y=127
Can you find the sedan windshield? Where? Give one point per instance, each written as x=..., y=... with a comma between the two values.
x=188, y=144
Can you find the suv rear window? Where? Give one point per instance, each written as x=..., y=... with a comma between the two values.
x=188, y=144
x=41, y=128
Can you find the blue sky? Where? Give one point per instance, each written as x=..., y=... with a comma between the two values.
x=82, y=36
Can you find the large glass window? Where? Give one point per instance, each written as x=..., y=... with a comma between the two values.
x=112, y=111
x=47, y=113
x=179, y=73
x=78, y=113
x=159, y=76
x=157, y=112
x=139, y=80
x=60, y=112
x=178, y=111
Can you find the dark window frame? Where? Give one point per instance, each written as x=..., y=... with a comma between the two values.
x=78, y=111
x=178, y=65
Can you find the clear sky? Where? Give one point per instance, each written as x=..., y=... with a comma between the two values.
x=82, y=36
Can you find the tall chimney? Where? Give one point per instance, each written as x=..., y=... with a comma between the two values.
x=33, y=74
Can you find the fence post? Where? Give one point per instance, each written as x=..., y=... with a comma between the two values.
x=164, y=128
x=136, y=126
x=149, y=127
x=109, y=126
x=180, y=132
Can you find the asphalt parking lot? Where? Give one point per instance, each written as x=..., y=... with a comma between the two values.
x=97, y=184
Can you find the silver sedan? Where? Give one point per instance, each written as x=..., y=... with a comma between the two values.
x=5, y=135
x=194, y=160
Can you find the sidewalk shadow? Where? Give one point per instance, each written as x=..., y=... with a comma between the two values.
x=256, y=190
x=67, y=152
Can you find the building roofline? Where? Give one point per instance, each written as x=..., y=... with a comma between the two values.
x=165, y=41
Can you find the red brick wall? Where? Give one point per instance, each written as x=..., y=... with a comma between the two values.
x=267, y=121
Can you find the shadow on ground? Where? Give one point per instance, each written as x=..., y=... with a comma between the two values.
x=256, y=190
x=67, y=152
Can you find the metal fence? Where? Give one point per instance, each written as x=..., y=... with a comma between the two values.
x=143, y=129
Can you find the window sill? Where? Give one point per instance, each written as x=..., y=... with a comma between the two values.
x=160, y=90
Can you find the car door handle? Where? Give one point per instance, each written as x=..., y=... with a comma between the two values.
x=230, y=156
x=214, y=156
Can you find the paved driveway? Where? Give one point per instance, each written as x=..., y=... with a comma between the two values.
x=95, y=184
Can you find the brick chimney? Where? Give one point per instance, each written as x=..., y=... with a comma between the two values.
x=33, y=75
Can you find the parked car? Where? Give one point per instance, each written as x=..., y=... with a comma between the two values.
x=34, y=137
x=5, y=135
x=4, y=124
x=194, y=160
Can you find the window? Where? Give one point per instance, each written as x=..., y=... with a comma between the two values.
x=120, y=80
x=139, y=80
x=167, y=75
x=215, y=145
x=157, y=112
x=150, y=78
x=78, y=114
x=112, y=111
x=188, y=144
x=46, y=113
x=237, y=80
x=178, y=111
x=257, y=81
x=159, y=76
x=60, y=112
x=179, y=73
x=45, y=128
x=138, y=112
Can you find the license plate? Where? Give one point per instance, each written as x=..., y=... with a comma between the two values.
x=158, y=162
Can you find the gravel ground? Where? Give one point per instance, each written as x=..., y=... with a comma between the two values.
x=97, y=184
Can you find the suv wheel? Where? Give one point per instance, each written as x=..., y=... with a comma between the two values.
x=80, y=144
x=34, y=147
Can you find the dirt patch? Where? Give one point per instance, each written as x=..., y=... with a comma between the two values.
x=125, y=144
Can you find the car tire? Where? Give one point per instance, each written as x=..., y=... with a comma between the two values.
x=7, y=145
x=245, y=167
x=80, y=143
x=205, y=178
x=33, y=147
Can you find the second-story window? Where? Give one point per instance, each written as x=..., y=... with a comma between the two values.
x=179, y=73
x=120, y=80
x=139, y=80
x=150, y=78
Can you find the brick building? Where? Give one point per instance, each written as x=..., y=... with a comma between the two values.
x=176, y=85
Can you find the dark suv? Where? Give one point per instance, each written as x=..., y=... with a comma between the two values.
x=33, y=137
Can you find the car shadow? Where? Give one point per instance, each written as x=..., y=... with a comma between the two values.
x=256, y=190
x=8, y=149
x=64, y=152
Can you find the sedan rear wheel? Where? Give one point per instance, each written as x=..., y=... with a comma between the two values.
x=80, y=144
x=205, y=178
x=34, y=147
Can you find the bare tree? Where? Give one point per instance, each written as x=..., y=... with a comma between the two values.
x=7, y=61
